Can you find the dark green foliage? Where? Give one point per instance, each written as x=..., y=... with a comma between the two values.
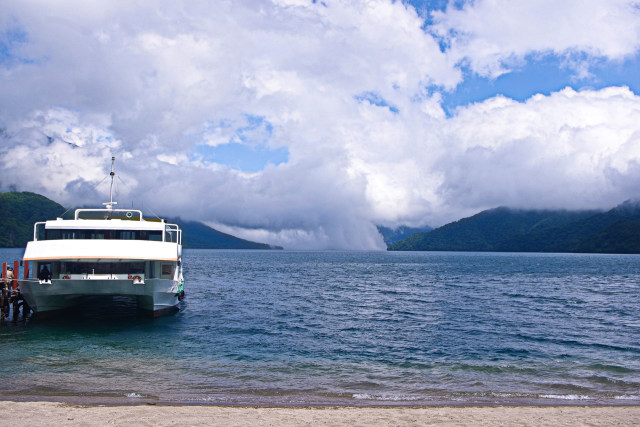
x=508, y=230
x=621, y=237
x=573, y=236
x=561, y=237
x=487, y=230
x=18, y=213
x=392, y=235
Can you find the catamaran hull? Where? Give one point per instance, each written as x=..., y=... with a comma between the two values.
x=158, y=296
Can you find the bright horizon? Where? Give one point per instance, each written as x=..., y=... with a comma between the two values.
x=305, y=124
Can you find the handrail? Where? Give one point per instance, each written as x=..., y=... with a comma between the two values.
x=35, y=230
x=172, y=227
x=30, y=279
x=176, y=228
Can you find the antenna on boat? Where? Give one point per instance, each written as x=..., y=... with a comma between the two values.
x=110, y=204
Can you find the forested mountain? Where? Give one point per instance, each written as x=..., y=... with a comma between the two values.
x=513, y=230
x=392, y=235
x=19, y=211
x=486, y=230
x=585, y=235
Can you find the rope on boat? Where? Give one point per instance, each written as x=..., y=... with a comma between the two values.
x=94, y=187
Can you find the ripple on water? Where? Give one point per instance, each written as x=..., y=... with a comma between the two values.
x=361, y=327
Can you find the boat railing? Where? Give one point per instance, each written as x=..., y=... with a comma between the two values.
x=137, y=278
x=173, y=230
x=171, y=233
x=35, y=229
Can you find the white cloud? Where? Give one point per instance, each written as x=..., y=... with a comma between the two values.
x=58, y=153
x=569, y=149
x=151, y=82
x=494, y=35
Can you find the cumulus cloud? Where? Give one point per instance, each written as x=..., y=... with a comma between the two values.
x=493, y=36
x=567, y=150
x=351, y=92
x=56, y=152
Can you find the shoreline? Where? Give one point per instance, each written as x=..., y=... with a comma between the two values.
x=43, y=413
x=315, y=401
x=280, y=402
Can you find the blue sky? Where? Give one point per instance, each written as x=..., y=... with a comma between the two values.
x=245, y=148
x=241, y=156
x=305, y=124
x=543, y=75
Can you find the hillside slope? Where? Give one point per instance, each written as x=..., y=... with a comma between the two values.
x=20, y=210
x=607, y=232
x=393, y=235
x=487, y=230
x=18, y=213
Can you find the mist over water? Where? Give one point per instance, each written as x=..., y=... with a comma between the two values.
x=279, y=327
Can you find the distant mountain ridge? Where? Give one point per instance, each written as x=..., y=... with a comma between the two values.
x=516, y=230
x=393, y=235
x=20, y=210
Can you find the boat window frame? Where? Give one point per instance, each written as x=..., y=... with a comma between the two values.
x=100, y=234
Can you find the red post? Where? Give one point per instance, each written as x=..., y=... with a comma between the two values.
x=4, y=270
x=26, y=269
x=16, y=273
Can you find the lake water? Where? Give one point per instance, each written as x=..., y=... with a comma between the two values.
x=355, y=328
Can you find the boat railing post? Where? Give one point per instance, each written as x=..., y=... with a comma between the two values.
x=35, y=229
x=16, y=274
x=3, y=293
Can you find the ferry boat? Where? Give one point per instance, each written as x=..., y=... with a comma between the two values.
x=104, y=252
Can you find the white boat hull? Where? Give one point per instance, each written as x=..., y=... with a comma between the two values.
x=158, y=296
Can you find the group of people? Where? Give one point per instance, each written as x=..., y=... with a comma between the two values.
x=9, y=296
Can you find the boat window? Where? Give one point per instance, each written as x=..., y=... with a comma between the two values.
x=68, y=267
x=46, y=274
x=40, y=231
x=170, y=235
x=58, y=234
x=127, y=235
x=167, y=269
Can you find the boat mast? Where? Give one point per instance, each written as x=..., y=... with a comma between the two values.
x=110, y=204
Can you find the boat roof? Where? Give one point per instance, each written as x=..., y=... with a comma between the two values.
x=104, y=224
x=107, y=219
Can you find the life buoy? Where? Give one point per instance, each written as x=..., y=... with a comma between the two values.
x=66, y=277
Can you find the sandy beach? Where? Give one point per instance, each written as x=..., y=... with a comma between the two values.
x=52, y=413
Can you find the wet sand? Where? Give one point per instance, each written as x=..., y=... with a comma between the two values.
x=52, y=413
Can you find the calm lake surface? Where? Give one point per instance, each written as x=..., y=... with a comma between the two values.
x=356, y=328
